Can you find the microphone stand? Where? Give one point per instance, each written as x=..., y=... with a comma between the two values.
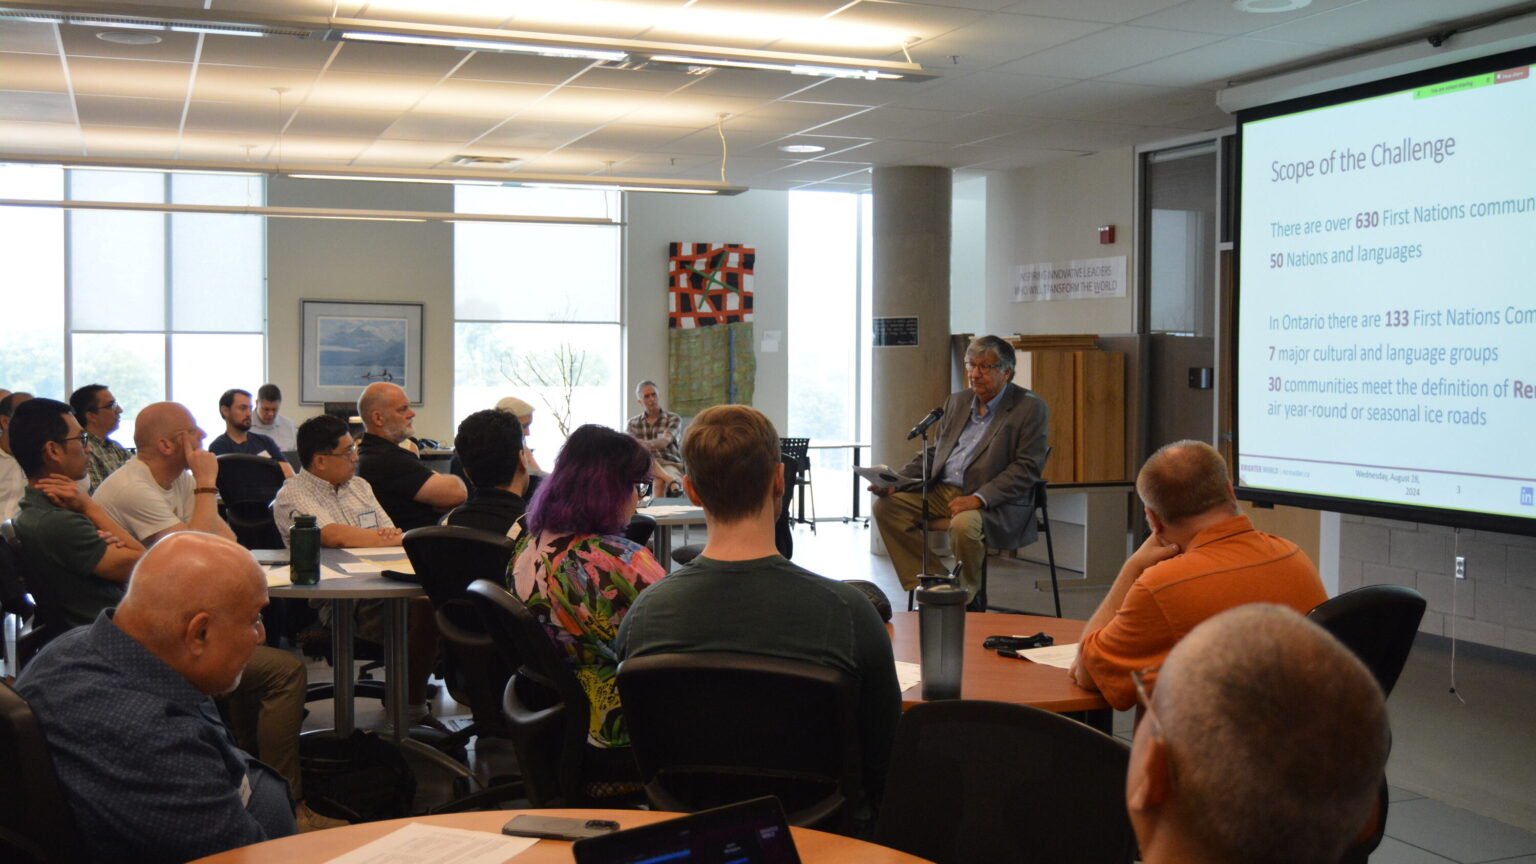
x=927, y=470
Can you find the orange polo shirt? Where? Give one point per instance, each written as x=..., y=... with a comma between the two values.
x=1227, y=564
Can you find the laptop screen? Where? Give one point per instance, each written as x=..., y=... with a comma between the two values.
x=752, y=832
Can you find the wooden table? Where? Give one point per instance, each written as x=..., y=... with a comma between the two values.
x=816, y=847
x=986, y=675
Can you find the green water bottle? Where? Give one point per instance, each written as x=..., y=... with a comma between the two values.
x=303, y=550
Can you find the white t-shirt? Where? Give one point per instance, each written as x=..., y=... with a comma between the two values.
x=135, y=501
x=12, y=484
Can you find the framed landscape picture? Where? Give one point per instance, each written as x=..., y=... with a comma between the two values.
x=348, y=345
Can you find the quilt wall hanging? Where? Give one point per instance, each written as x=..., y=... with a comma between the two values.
x=709, y=325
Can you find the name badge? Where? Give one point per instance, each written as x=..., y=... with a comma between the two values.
x=368, y=519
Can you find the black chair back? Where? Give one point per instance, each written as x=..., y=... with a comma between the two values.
x=1378, y=623
x=545, y=706
x=14, y=600
x=247, y=484
x=28, y=595
x=640, y=528
x=36, y=824
x=713, y=728
x=447, y=558
x=990, y=781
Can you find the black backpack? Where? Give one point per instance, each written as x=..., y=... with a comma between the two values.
x=362, y=778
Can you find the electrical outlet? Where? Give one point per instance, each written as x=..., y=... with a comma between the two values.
x=1461, y=566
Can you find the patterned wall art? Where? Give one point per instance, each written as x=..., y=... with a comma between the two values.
x=709, y=320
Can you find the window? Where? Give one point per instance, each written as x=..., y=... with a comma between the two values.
x=830, y=298
x=537, y=311
x=155, y=306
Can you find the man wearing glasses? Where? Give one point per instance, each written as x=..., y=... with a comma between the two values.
x=986, y=461
x=1203, y=557
x=343, y=504
x=100, y=415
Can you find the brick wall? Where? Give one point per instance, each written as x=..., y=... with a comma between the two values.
x=1495, y=605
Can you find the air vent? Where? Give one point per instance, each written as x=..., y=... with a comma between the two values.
x=468, y=160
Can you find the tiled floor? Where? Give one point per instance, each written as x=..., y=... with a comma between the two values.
x=1463, y=774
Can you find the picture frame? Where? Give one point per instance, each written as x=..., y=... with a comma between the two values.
x=345, y=345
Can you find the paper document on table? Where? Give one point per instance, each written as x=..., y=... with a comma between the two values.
x=1060, y=656
x=669, y=510
x=419, y=843
x=881, y=476
x=379, y=552
x=281, y=575
x=908, y=674
x=370, y=568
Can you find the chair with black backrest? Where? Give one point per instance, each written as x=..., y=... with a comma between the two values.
x=798, y=481
x=1041, y=515
x=783, y=537
x=247, y=484
x=28, y=597
x=446, y=559
x=712, y=728
x=1378, y=623
x=640, y=528
x=36, y=824
x=547, y=710
x=990, y=781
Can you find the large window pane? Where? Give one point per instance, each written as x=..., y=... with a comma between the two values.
x=117, y=270
x=131, y=365
x=203, y=366
x=234, y=189
x=536, y=272
x=565, y=371
x=525, y=201
x=217, y=270
x=824, y=285
x=32, y=254
x=146, y=187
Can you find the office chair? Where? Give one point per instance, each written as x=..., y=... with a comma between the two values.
x=247, y=484
x=24, y=633
x=799, y=480
x=712, y=728
x=36, y=823
x=30, y=598
x=976, y=781
x=1378, y=623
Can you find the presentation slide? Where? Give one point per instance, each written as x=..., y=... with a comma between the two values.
x=1387, y=298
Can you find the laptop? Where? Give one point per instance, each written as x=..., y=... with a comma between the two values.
x=752, y=832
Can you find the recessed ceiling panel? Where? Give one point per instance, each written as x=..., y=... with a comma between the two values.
x=485, y=66
x=122, y=111
x=407, y=154
x=83, y=42
x=999, y=38
x=1107, y=51
x=653, y=80
x=285, y=53
x=1363, y=21
x=792, y=116
x=908, y=123
x=749, y=83
x=419, y=126
x=1215, y=64
x=631, y=137
x=421, y=60
x=37, y=107
x=52, y=138
x=481, y=99
x=246, y=118
x=979, y=91
x=365, y=125
x=251, y=84
x=1112, y=11
x=349, y=91
x=146, y=78
x=28, y=37
x=1220, y=16
x=35, y=72
x=689, y=111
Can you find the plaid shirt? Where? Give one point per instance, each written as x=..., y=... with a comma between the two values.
x=667, y=423
x=106, y=456
x=350, y=504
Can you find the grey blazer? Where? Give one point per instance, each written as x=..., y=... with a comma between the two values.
x=1003, y=469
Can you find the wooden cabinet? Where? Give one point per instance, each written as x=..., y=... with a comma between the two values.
x=1085, y=390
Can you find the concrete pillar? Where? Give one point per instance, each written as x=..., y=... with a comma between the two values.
x=911, y=229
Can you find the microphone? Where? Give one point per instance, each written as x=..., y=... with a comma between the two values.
x=922, y=426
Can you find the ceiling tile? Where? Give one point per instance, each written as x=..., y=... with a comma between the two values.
x=36, y=72
x=1081, y=135
x=1107, y=51
x=283, y=53
x=245, y=118
x=418, y=126
x=631, y=137
x=1108, y=100
x=745, y=82
x=908, y=123
x=361, y=57
x=524, y=134
x=28, y=37
x=251, y=84
x=999, y=38
x=789, y=116
x=1026, y=157
x=816, y=172
x=652, y=80
x=1215, y=64
x=590, y=106
x=22, y=137
x=120, y=111
x=352, y=91
x=520, y=68
x=481, y=99
x=890, y=151
x=852, y=91
x=83, y=42
x=1375, y=19
x=706, y=142
x=835, y=146
x=37, y=107
x=1220, y=16
x=689, y=111
x=902, y=21
x=1112, y=11
x=350, y=124
x=146, y=78
x=407, y=153
x=981, y=91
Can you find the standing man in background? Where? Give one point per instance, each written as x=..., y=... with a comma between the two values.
x=271, y=424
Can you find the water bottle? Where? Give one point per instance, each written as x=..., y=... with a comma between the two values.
x=303, y=550
x=941, y=620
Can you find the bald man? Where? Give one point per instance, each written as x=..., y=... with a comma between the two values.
x=170, y=485
x=1264, y=743
x=411, y=493
x=1202, y=558
x=150, y=771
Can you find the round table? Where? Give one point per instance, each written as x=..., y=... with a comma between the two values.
x=816, y=847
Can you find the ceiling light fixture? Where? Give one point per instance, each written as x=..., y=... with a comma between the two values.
x=132, y=37
x=487, y=45
x=1262, y=6
x=791, y=68
x=395, y=179
x=801, y=148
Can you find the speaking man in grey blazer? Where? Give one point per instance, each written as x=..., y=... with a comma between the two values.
x=986, y=461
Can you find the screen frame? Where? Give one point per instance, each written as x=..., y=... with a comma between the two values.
x=1265, y=497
